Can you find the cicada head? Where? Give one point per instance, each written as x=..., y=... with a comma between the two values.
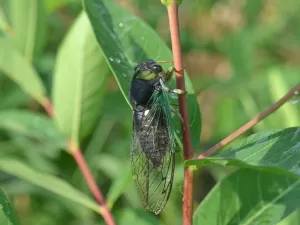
x=148, y=70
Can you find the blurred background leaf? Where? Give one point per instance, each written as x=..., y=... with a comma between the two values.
x=7, y=214
x=79, y=81
x=29, y=26
x=17, y=68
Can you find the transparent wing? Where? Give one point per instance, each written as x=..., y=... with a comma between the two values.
x=152, y=155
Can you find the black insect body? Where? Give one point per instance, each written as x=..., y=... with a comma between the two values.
x=153, y=144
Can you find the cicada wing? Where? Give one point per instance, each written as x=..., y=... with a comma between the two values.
x=152, y=158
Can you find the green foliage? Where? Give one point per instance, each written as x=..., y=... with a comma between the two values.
x=269, y=198
x=241, y=57
x=79, y=65
x=7, y=214
x=29, y=26
x=49, y=182
x=14, y=65
x=169, y=2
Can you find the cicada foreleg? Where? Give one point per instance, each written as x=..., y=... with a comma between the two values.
x=166, y=88
x=177, y=114
x=171, y=70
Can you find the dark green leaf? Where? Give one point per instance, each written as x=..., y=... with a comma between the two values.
x=250, y=197
x=125, y=41
x=272, y=150
x=7, y=214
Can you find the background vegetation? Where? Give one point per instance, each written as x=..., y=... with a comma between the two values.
x=241, y=57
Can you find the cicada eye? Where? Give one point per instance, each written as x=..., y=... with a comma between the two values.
x=157, y=68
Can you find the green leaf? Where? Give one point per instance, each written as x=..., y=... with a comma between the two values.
x=79, y=82
x=125, y=41
x=7, y=214
x=13, y=64
x=137, y=217
x=52, y=5
x=119, y=186
x=252, y=10
x=169, y=2
x=46, y=181
x=4, y=26
x=29, y=26
x=241, y=54
x=33, y=125
x=288, y=114
x=13, y=98
x=250, y=197
x=271, y=150
x=293, y=218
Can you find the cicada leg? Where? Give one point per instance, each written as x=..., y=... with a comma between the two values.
x=169, y=90
x=171, y=70
x=177, y=114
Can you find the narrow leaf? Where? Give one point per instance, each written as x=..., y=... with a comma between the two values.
x=79, y=82
x=13, y=64
x=29, y=26
x=30, y=124
x=7, y=214
x=46, y=181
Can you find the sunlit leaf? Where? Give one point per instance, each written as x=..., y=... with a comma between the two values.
x=14, y=65
x=29, y=26
x=79, y=82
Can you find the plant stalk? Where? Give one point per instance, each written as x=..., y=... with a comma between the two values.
x=76, y=153
x=187, y=207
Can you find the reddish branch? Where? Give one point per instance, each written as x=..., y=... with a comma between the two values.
x=251, y=123
x=91, y=183
x=49, y=108
x=77, y=155
x=187, y=207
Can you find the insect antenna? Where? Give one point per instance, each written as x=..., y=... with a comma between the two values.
x=167, y=62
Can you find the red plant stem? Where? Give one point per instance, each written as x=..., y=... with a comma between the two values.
x=76, y=153
x=251, y=123
x=187, y=207
x=49, y=108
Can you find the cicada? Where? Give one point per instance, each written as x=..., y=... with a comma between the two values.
x=153, y=139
